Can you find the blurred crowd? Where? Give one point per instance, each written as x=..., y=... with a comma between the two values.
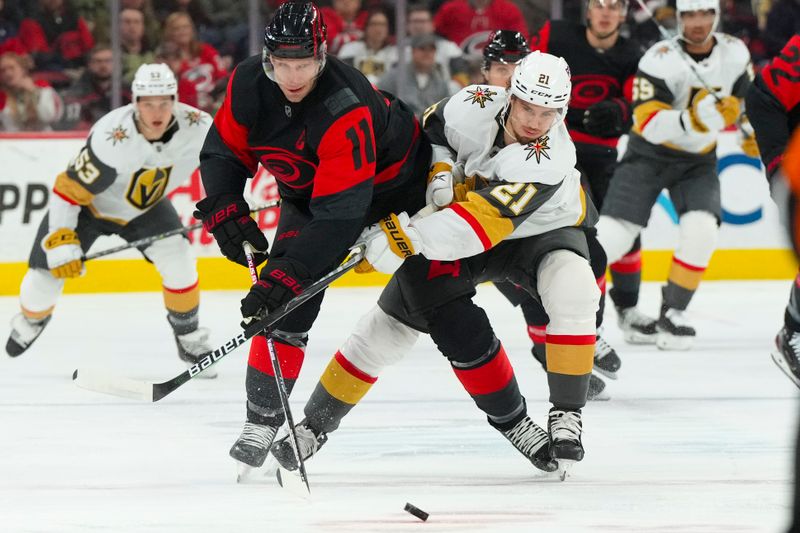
x=56, y=61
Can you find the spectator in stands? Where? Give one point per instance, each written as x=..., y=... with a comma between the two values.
x=170, y=55
x=374, y=54
x=56, y=36
x=783, y=22
x=25, y=104
x=200, y=62
x=423, y=84
x=468, y=23
x=136, y=49
x=152, y=26
x=89, y=98
x=449, y=57
x=10, y=18
x=345, y=22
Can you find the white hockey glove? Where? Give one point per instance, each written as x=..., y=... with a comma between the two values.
x=440, y=184
x=388, y=243
x=64, y=254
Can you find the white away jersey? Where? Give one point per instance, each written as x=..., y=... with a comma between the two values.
x=523, y=189
x=666, y=84
x=119, y=174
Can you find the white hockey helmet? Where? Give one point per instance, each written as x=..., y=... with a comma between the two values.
x=544, y=80
x=683, y=6
x=154, y=79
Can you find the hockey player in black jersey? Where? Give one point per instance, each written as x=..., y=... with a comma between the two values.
x=343, y=154
x=773, y=106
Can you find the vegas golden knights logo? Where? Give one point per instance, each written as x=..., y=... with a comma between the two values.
x=148, y=186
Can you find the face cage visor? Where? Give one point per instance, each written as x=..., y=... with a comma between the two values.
x=269, y=69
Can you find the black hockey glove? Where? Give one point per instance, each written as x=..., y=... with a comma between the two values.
x=227, y=217
x=280, y=280
x=609, y=118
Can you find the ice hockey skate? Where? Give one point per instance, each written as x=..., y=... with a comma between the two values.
x=532, y=442
x=23, y=332
x=674, y=331
x=308, y=441
x=597, y=389
x=786, y=352
x=565, y=438
x=606, y=360
x=251, y=448
x=194, y=346
x=637, y=328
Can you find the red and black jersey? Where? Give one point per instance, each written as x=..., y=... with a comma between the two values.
x=596, y=75
x=344, y=147
x=773, y=104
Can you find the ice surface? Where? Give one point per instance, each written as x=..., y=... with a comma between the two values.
x=690, y=442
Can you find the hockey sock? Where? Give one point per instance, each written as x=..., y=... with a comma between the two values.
x=37, y=316
x=182, y=308
x=569, y=364
x=681, y=284
x=263, y=401
x=340, y=388
x=791, y=317
x=491, y=383
x=627, y=277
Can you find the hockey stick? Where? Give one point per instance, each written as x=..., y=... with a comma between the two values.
x=149, y=391
x=688, y=60
x=153, y=238
x=279, y=382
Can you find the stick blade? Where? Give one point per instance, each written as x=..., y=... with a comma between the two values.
x=293, y=482
x=122, y=387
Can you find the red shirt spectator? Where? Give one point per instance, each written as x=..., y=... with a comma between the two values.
x=345, y=22
x=199, y=63
x=56, y=37
x=469, y=23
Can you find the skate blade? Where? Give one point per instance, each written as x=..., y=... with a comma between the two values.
x=781, y=362
x=668, y=342
x=292, y=482
x=632, y=337
x=606, y=373
x=250, y=475
x=602, y=396
x=563, y=467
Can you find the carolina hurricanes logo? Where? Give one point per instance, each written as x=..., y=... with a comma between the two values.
x=480, y=96
x=288, y=168
x=538, y=149
x=588, y=89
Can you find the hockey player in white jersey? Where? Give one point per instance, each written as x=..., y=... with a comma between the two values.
x=118, y=184
x=672, y=146
x=521, y=215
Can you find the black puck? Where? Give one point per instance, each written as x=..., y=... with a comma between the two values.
x=416, y=511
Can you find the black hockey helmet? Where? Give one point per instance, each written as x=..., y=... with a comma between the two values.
x=296, y=31
x=505, y=46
